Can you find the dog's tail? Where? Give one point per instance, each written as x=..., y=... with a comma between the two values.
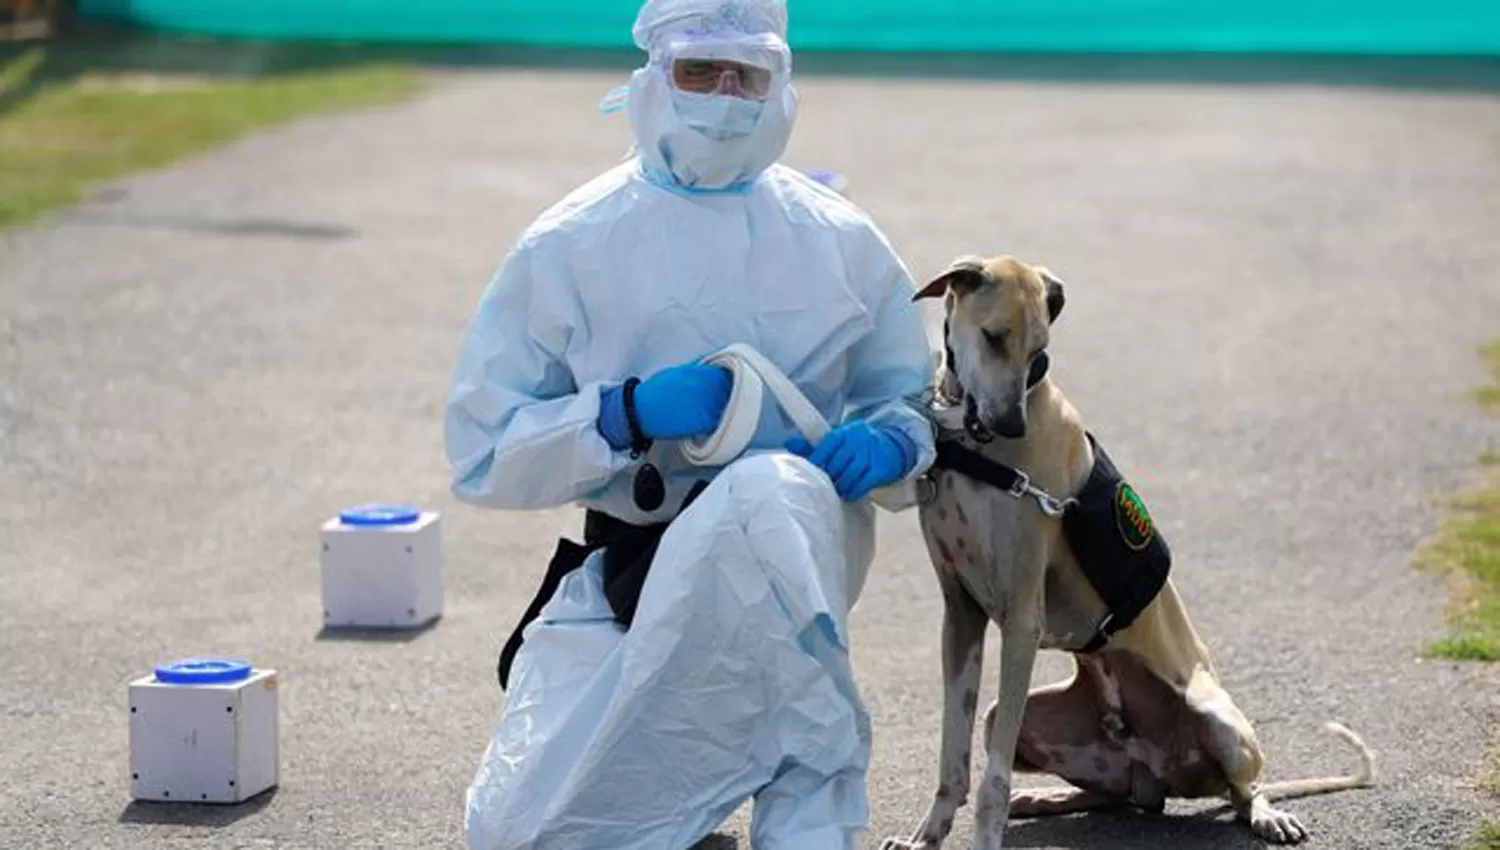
x=1364, y=777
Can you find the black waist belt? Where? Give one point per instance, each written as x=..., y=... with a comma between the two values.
x=628, y=553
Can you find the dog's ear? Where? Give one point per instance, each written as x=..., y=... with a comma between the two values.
x=965, y=275
x=1055, y=299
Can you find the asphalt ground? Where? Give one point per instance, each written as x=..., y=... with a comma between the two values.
x=1276, y=286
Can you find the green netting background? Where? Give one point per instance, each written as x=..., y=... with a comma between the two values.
x=1327, y=26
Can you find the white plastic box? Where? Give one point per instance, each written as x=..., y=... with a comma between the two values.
x=382, y=568
x=203, y=730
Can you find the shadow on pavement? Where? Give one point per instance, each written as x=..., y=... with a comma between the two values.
x=364, y=635
x=1213, y=829
x=717, y=841
x=195, y=814
x=252, y=227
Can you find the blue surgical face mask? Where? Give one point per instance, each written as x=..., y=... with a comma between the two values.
x=717, y=116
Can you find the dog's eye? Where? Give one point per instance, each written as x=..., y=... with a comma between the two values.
x=997, y=340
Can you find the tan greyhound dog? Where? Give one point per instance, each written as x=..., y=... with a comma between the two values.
x=1140, y=721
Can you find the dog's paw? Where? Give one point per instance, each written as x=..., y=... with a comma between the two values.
x=909, y=844
x=1278, y=827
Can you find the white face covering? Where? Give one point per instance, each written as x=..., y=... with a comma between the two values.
x=711, y=141
x=707, y=141
x=718, y=116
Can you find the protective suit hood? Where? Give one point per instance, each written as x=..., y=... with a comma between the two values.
x=748, y=17
x=710, y=143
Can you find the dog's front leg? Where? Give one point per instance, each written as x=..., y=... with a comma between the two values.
x=1020, y=635
x=964, y=623
x=1230, y=739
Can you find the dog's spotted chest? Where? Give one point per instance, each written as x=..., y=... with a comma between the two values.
x=962, y=522
x=959, y=524
x=946, y=526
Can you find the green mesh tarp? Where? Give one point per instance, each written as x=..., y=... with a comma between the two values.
x=1309, y=26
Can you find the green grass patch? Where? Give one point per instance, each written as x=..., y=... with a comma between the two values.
x=1490, y=396
x=1468, y=549
x=1487, y=837
x=1466, y=648
x=66, y=126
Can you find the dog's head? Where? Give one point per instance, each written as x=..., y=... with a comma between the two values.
x=999, y=315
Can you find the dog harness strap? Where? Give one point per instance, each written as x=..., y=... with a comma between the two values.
x=1102, y=635
x=972, y=464
x=1107, y=525
x=952, y=455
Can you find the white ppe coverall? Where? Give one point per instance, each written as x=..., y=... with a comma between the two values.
x=733, y=680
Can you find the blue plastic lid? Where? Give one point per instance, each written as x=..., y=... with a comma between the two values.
x=380, y=515
x=203, y=671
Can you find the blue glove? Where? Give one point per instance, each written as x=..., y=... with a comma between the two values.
x=859, y=457
x=674, y=404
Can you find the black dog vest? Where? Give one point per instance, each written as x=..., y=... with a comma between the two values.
x=1118, y=546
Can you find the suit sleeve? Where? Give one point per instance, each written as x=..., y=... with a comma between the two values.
x=519, y=431
x=891, y=368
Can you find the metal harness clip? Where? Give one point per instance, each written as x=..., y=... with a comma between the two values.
x=1022, y=485
x=1051, y=505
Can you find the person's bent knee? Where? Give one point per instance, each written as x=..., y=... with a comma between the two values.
x=497, y=831
x=772, y=476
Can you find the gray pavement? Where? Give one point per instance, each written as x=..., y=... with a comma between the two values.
x=1275, y=292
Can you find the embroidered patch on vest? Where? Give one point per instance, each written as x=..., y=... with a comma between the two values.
x=1134, y=521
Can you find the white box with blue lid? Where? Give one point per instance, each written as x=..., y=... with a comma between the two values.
x=203, y=730
x=382, y=568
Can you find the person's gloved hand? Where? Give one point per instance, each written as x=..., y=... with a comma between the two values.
x=859, y=457
x=683, y=401
x=674, y=404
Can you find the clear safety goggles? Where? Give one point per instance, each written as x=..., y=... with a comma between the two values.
x=741, y=66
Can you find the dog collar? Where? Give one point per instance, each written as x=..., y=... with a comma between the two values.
x=1039, y=366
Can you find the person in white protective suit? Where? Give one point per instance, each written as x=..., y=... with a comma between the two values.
x=582, y=379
